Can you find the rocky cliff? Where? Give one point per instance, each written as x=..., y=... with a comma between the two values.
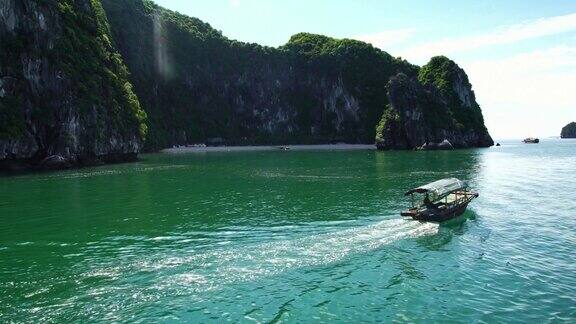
x=65, y=98
x=569, y=131
x=196, y=84
x=437, y=105
x=79, y=77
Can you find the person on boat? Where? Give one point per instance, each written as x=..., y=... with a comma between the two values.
x=427, y=202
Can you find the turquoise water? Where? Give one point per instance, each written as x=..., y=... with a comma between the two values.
x=292, y=237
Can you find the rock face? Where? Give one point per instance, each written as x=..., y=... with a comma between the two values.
x=64, y=94
x=438, y=105
x=79, y=77
x=569, y=131
x=196, y=84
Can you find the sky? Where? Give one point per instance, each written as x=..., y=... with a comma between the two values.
x=520, y=56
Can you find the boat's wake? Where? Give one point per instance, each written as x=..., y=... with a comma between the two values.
x=189, y=271
x=146, y=271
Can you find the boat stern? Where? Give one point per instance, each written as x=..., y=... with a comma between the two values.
x=409, y=212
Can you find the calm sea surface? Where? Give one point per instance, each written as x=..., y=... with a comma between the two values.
x=292, y=237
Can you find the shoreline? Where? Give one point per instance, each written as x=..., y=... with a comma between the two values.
x=313, y=147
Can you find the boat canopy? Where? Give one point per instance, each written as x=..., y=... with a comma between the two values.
x=440, y=188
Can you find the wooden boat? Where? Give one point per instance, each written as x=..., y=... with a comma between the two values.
x=441, y=200
x=531, y=140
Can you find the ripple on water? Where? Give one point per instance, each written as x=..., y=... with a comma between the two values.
x=184, y=271
x=293, y=239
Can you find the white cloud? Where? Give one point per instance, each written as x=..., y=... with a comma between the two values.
x=529, y=94
x=234, y=3
x=503, y=35
x=388, y=37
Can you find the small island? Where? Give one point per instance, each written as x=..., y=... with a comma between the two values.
x=569, y=131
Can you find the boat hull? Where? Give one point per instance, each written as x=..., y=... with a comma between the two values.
x=438, y=215
x=450, y=198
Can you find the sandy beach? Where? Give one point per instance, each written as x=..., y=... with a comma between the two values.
x=324, y=147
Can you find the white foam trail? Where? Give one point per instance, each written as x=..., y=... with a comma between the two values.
x=267, y=174
x=212, y=269
x=102, y=172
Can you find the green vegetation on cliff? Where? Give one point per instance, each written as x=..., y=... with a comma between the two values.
x=454, y=85
x=389, y=116
x=364, y=69
x=358, y=62
x=182, y=69
x=65, y=92
x=439, y=104
x=87, y=56
x=196, y=84
x=131, y=61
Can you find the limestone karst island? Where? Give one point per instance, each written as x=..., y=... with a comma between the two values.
x=86, y=82
x=257, y=161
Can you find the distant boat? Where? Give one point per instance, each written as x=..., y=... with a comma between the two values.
x=531, y=140
x=284, y=148
x=442, y=200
